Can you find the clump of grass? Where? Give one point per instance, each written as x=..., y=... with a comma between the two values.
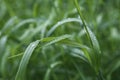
x=95, y=58
x=59, y=40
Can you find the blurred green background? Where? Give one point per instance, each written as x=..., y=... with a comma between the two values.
x=24, y=21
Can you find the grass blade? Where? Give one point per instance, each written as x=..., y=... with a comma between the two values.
x=80, y=54
x=25, y=60
x=52, y=66
x=29, y=51
x=90, y=34
x=95, y=56
x=57, y=39
x=4, y=62
x=22, y=23
x=3, y=41
x=63, y=22
x=8, y=24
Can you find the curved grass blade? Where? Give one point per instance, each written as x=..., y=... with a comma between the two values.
x=22, y=23
x=114, y=65
x=62, y=22
x=48, y=40
x=9, y=23
x=14, y=56
x=52, y=66
x=94, y=40
x=84, y=49
x=80, y=54
x=95, y=56
x=0, y=33
x=29, y=51
x=75, y=44
x=4, y=62
x=3, y=41
x=48, y=22
x=90, y=34
x=42, y=27
x=25, y=60
x=57, y=39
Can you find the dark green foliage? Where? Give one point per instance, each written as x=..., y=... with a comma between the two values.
x=59, y=39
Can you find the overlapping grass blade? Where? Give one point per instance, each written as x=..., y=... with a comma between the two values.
x=79, y=54
x=28, y=52
x=52, y=66
x=57, y=39
x=95, y=57
x=63, y=22
x=25, y=60
x=8, y=24
x=47, y=22
x=90, y=34
x=4, y=62
x=84, y=54
x=3, y=41
x=113, y=66
x=41, y=28
x=0, y=33
x=14, y=56
x=20, y=24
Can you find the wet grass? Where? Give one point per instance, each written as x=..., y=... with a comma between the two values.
x=59, y=40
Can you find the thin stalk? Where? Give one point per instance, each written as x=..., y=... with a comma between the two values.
x=82, y=18
x=99, y=73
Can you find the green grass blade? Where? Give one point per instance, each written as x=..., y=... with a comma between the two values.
x=47, y=22
x=29, y=51
x=114, y=65
x=14, y=56
x=3, y=41
x=57, y=39
x=4, y=62
x=79, y=54
x=61, y=23
x=52, y=66
x=9, y=23
x=20, y=24
x=0, y=33
x=95, y=57
x=83, y=48
x=90, y=34
x=49, y=41
x=25, y=60
x=94, y=40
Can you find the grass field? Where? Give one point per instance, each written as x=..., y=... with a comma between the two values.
x=59, y=39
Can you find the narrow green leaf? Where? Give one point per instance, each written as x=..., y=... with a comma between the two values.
x=84, y=49
x=79, y=53
x=0, y=33
x=114, y=65
x=74, y=44
x=52, y=66
x=3, y=41
x=29, y=51
x=95, y=57
x=20, y=24
x=9, y=23
x=94, y=40
x=48, y=40
x=90, y=34
x=57, y=39
x=15, y=56
x=4, y=61
x=61, y=23
x=25, y=60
